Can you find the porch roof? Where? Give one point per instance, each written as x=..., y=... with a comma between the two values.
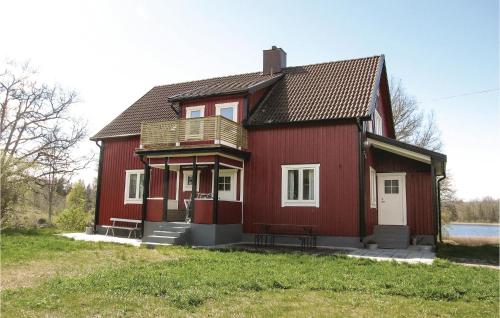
x=438, y=160
x=193, y=150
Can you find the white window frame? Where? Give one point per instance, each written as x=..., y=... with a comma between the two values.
x=190, y=109
x=369, y=126
x=284, y=186
x=373, y=188
x=233, y=173
x=233, y=105
x=138, y=199
x=185, y=186
x=378, y=123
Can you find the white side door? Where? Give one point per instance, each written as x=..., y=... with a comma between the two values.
x=391, y=198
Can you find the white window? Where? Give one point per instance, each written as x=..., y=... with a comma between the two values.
x=228, y=110
x=373, y=188
x=227, y=184
x=187, y=181
x=378, y=123
x=195, y=128
x=369, y=126
x=300, y=185
x=195, y=111
x=134, y=186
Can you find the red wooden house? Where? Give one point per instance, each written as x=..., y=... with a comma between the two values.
x=277, y=150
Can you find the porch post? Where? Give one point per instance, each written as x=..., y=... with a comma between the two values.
x=166, y=175
x=145, y=194
x=216, y=191
x=194, y=185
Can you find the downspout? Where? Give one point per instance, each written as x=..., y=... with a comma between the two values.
x=361, y=174
x=99, y=180
x=439, y=207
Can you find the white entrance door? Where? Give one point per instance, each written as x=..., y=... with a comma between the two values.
x=391, y=198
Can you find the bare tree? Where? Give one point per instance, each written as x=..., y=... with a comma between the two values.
x=37, y=134
x=412, y=124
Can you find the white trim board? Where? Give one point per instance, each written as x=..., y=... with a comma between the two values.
x=400, y=151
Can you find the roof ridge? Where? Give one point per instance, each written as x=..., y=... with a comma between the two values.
x=257, y=72
x=336, y=61
x=207, y=79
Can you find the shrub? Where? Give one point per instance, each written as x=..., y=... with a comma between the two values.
x=73, y=219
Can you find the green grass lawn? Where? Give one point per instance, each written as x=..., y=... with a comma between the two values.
x=47, y=275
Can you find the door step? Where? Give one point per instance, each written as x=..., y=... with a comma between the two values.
x=392, y=236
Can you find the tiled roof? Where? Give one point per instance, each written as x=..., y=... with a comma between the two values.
x=226, y=86
x=155, y=104
x=342, y=89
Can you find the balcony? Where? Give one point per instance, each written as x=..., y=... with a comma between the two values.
x=171, y=134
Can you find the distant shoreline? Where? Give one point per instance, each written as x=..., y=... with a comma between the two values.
x=471, y=223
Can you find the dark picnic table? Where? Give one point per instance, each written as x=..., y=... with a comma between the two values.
x=266, y=235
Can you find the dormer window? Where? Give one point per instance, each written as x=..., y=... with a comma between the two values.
x=195, y=111
x=227, y=110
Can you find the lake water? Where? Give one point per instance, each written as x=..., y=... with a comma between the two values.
x=483, y=230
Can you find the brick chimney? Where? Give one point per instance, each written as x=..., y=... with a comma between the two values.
x=273, y=60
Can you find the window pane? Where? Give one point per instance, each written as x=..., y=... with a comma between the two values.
x=308, y=184
x=195, y=113
x=141, y=185
x=227, y=187
x=387, y=183
x=227, y=179
x=132, y=186
x=387, y=190
x=221, y=186
x=395, y=183
x=190, y=180
x=293, y=184
x=227, y=112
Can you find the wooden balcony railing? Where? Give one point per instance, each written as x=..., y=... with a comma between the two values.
x=193, y=131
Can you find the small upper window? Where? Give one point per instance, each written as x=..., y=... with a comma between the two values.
x=195, y=111
x=300, y=185
x=373, y=188
x=391, y=186
x=134, y=186
x=227, y=110
x=378, y=123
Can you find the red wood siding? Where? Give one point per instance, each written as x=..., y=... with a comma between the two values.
x=334, y=147
x=255, y=98
x=118, y=157
x=156, y=184
x=229, y=212
x=420, y=214
x=155, y=210
x=210, y=105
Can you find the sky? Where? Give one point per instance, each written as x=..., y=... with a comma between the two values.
x=446, y=54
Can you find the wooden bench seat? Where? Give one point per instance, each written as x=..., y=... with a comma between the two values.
x=131, y=228
x=268, y=234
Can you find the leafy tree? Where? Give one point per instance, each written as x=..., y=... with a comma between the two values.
x=37, y=135
x=74, y=217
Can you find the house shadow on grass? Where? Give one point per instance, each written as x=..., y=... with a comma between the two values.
x=486, y=254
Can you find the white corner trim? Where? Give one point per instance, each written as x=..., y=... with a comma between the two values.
x=284, y=186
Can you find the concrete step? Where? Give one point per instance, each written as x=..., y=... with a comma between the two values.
x=168, y=233
x=392, y=236
x=163, y=239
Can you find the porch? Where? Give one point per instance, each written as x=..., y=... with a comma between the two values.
x=194, y=198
